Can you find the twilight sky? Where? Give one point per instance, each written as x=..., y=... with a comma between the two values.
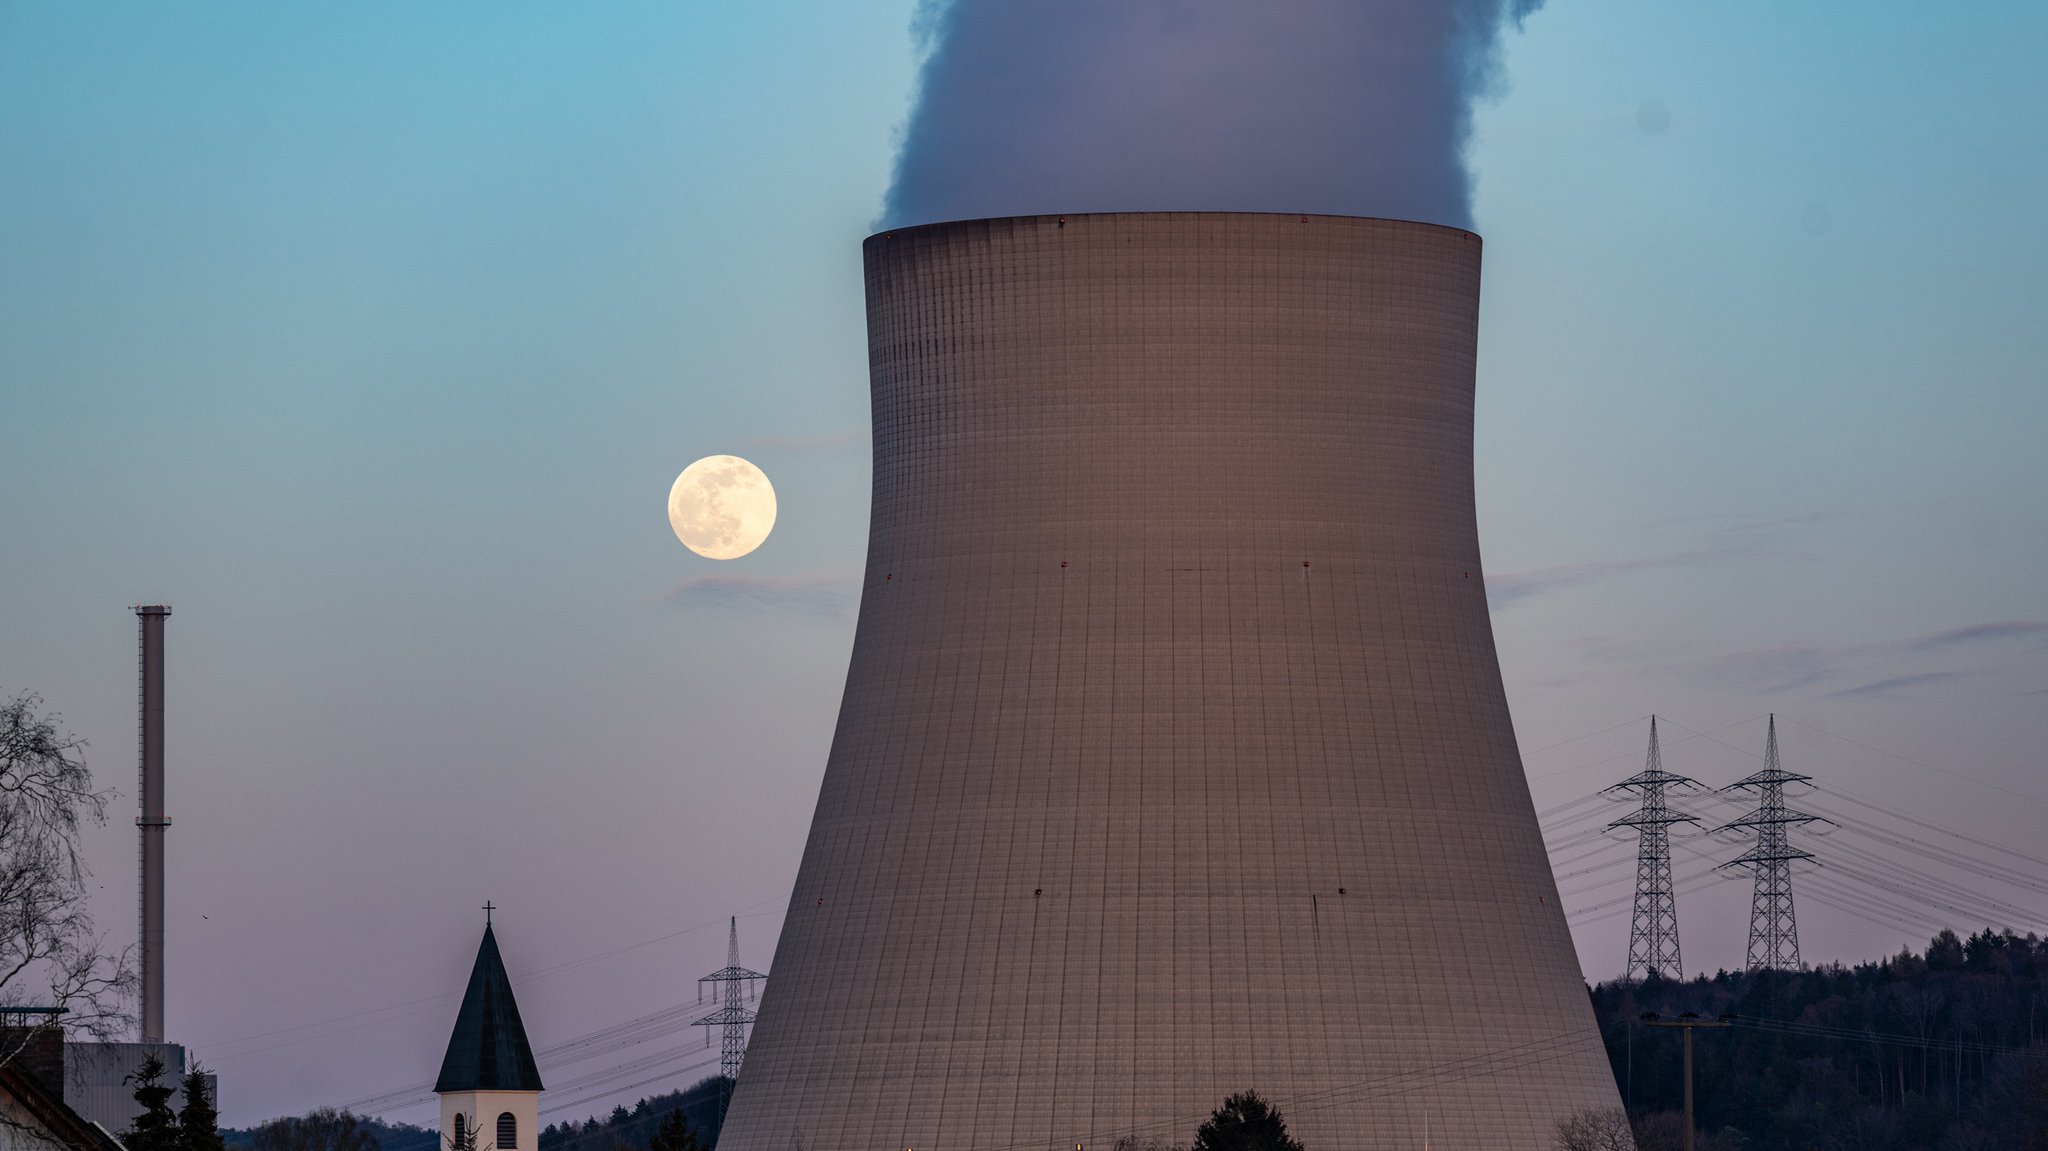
x=372, y=336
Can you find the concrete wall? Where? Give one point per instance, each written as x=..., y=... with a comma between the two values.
x=1173, y=758
x=95, y=1077
x=38, y=1052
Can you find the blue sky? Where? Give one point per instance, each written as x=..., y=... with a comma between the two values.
x=371, y=336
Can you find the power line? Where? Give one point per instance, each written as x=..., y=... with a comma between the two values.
x=1626, y=754
x=427, y=1003
x=1871, y=909
x=1686, y=885
x=1568, y=804
x=1940, y=855
x=1629, y=722
x=592, y=1045
x=1935, y=827
x=608, y=1086
x=2009, y=914
x=1603, y=849
x=1918, y=763
x=1920, y=893
x=1415, y=1079
x=1828, y=1031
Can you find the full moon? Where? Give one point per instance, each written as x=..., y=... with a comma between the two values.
x=722, y=507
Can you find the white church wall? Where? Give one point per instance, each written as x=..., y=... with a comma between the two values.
x=480, y=1110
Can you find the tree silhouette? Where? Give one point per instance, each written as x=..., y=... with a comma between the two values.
x=49, y=952
x=198, y=1122
x=1604, y=1129
x=156, y=1127
x=1245, y=1122
x=675, y=1134
x=1941, y=1050
x=322, y=1129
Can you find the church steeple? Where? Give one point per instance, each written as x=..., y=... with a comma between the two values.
x=488, y=1051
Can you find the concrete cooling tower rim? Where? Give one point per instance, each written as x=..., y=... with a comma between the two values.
x=908, y=229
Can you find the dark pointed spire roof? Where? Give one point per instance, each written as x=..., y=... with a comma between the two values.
x=488, y=1051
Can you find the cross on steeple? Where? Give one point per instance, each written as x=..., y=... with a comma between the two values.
x=488, y=908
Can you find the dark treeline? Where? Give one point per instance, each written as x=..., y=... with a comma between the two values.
x=632, y=1129
x=1946, y=1051
x=327, y=1129
x=625, y=1129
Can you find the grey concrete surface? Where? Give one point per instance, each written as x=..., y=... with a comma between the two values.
x=1174, y=758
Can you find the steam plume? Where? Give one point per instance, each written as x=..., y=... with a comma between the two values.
x=1350, y=107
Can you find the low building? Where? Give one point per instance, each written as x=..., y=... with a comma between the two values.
x=33, y=1113
x=99, y=1079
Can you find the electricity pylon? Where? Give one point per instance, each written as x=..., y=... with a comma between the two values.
x=1773, y=932
x=726, y=983
x=1653, y=926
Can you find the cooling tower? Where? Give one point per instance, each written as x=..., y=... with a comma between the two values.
x=1174, y=758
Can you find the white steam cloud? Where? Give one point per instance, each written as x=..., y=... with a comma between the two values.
x=1347, y=107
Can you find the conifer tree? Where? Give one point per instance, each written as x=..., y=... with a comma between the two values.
x=675, y=1134
x=156, y=1127
x=1245, y=1122
x=198, y=1122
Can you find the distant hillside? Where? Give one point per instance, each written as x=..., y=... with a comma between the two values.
x=323, y=1130
x=625, y=1129
x=1946, y=1050
x=628, y=1128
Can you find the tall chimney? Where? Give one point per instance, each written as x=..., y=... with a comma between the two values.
x=152, y=821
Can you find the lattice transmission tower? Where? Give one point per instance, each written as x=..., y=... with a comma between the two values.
x=1773, y=932
x=1653, y=926
x=728, y=983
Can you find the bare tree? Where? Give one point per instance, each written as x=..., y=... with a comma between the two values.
x=1595, y=1129
x=49, y=953
x=1921, y=1010
x=322, y=1129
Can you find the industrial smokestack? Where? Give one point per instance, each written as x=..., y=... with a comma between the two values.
x=152, y=821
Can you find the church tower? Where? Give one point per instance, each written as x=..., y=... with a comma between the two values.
x=489, y=1086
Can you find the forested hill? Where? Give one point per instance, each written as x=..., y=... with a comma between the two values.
x=629, y=1129
x=1946, y=1050
x=327, y=1129
x=625, y=1129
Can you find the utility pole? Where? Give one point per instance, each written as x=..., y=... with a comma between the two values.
x=1773, y=932
x=1687, y=1020
x=1653, y=926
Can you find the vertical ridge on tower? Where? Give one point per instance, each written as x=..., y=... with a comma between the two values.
x=1653, y=926
x=1773, y=931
